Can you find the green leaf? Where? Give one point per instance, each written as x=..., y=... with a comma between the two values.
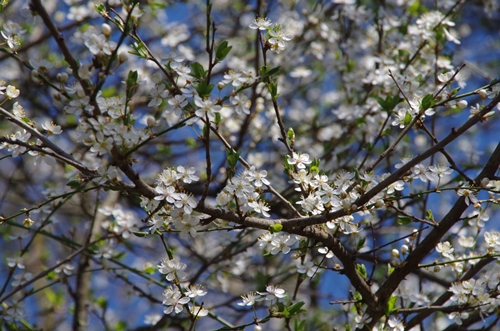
x=140, y=50
x=314, y=168
x=132, y=79
x=150, y=270
x=455, y=90
x=360, y=244
x=427, y=102
x=203, y=89
x=218, y=118
x=222, y=51
x=191, y=142
x=391, y=305
x=286, y=313
x=296, y=308
x=382, y=103
x=429, y=215
x=390, y=269
x=274, y=228
x=74, y=184
x=291, y=135
x=266, y=74
x=101, y=302
x=121, y=326
x=100, y=8
x=273, y=89
x=232, y=160
x=404, y=220
x=361, y=270
x=299, y=325
x=288, y=168
x=131, y=85
x=408, y=118
x=198, y=71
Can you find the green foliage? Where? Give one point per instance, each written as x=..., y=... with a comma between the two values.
x=390, y=307
x=299, y=325
x=139, y=50
x=198, y=71
x=203, y=89
x=131, y=83
x=222, y=51
x=361, y=269
x=232, y=160
x=404, y=220
x=275, y=228
x=389, y=103
x=427, y=102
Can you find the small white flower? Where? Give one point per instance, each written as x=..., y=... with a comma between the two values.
x=51, y=128
x=260, y=23
x=273, y=292
x=12, y=92
x=299, y=159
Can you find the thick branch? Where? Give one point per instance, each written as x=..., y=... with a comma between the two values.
x=431, y=240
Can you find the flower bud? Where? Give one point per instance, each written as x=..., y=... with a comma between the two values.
x=257, y=328
x=62, y=77
x=437, y=268
x=106, y=30
x=462, y=104
x=485, y=181
x=150, y=121
x=482, y=94
x=404, y=249
x=28, y=222
x=395, y=253
x=122, y=57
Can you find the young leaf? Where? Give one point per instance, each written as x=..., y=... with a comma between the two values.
x=222, y=51
x=204, y=89
x=404, y=220
x=274, y=228
x=427, y=102
x=361, y=270
x=198, y=71
x=391, y=304
x=296, y=308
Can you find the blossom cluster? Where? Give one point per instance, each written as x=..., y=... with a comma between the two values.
x=276, y=34
x=274, y=293
x=123, y=223
x=243, y=190
x=277, y=242
x=175, y=297
x=179, y=205
x=481, y=293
